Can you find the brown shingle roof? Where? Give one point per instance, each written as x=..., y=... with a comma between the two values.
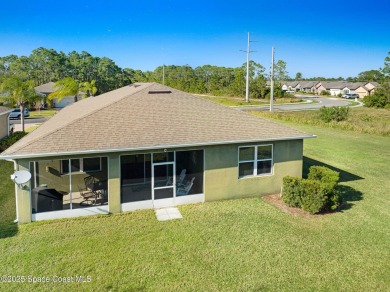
x=132, y=118
x=46, y=88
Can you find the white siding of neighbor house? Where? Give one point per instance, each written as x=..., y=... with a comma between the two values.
x=334, y=91
x=64, y=102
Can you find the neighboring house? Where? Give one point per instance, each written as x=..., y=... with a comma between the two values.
x=333, y=87
x=47, y=88
x=362, y=91
x=371, y=86
x=353, y=87
x=4, y=121
x=291, y=86
x=149, y=146
x=308, y=86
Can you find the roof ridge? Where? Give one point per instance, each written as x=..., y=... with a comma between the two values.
x=82, y=116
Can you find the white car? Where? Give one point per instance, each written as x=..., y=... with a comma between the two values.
x=350, y=95
x=15, y=114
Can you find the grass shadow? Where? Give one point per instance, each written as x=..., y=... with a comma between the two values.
x=345, y=176
x=8, y=230
x=347, y=193
x=7, y=201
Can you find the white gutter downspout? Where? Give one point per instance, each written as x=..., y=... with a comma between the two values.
x=16, y=197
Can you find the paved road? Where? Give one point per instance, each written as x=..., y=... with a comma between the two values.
x=29, y=121
x=319, y=102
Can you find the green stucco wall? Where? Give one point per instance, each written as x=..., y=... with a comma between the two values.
x=221, y=171
x=220, y=174
x=114, y=189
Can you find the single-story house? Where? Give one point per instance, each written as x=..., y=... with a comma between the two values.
x=308, y=86
x=47, y=88
x=366, y=89
x=353, y=86
x=4, y=121
x=333, y=87
x=291, y=86
x=371, y=86
x=147, y=145
x=344, y=87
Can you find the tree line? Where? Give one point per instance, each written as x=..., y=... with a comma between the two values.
x=44, y=65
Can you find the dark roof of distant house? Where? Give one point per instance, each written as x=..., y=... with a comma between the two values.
x=145, y=116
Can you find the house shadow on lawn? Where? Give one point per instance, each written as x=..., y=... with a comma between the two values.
x=347, y=193
x=8, y=230
x=345, y=176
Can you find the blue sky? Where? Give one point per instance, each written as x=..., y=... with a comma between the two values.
x=317, y=38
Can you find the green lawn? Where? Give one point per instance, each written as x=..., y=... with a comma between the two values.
x=42, y=114
x=236, y=245
x=237, y=101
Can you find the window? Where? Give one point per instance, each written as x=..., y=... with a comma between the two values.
x=81, y=165
x=255, y=160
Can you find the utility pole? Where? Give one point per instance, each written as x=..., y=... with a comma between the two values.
x=163, y=74
x=247, y=69
x=271, y=99
x=248, y=51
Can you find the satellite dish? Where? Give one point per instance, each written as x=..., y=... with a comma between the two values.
x=21, y=177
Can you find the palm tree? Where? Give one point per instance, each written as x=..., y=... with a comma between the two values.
x=70, y=87
x=89, y=88
x=15, y=91
x=65, y=87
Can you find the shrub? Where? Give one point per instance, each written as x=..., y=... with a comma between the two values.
x=324, y=92
x=291, y=191
x=12, y=139
x=316, y=194
x=328, y=114
x=376, y=100
x=325, y=175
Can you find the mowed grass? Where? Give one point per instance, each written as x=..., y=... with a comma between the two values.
x=42, y=114
x=238, y=101
x=236, y=245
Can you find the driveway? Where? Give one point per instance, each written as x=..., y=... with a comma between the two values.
x=317, y=103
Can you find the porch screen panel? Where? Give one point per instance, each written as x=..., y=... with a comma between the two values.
x=136, y=178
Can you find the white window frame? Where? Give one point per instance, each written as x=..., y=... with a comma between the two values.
x=81, y=161
x=254, y=161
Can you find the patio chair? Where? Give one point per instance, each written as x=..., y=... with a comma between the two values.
x=185, y=188
x=180, y=178
x=88, y=192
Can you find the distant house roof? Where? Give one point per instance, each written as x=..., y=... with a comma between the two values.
x=355, y=85
x=46, y=88
x=308, y=84
x=145, y=116
x=333, y=84
x=376, y=84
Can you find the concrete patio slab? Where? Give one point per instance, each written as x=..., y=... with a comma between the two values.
x=170, y=213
